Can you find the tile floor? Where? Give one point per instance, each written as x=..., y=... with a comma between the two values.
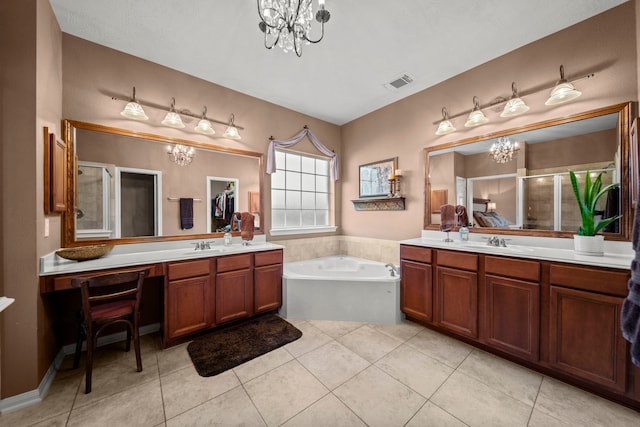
x=337, y=374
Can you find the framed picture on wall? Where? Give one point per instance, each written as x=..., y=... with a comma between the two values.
x=374, y=177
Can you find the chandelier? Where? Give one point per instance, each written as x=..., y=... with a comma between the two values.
x=503, y=150
x=180, y=154
x=287, y=23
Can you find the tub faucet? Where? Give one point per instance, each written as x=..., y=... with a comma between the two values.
x=393, y=269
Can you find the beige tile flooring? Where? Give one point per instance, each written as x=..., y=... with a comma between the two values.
x=337, y=374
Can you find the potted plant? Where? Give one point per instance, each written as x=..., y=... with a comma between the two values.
x=587, y=241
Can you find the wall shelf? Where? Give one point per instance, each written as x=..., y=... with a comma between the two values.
x=379, y=204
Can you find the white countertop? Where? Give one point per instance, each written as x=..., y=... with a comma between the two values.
x=150, y=253
x=617, y=254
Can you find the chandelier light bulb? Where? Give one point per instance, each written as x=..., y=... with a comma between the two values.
x=180, y=154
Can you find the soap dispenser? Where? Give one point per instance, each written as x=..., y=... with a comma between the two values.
x=464, y=234
x=227, y=239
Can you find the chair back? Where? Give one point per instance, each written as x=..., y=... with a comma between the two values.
x=111, y=289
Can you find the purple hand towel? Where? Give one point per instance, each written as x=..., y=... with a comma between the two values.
x=186, y=213
x=447, y=217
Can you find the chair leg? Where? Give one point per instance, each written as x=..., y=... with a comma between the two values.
x=89, y=364
x=76, y=357
x=136, y=346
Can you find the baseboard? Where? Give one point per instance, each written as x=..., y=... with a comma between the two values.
x=32, y=397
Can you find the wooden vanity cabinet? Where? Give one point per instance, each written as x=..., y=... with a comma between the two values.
x=189, y=304
x=416, y=285
x=585, y=339
x=456, y=292
x=234, y=287
x=267, y=280
x=511, y=320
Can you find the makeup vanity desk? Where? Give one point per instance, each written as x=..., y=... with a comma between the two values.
x=201, y=288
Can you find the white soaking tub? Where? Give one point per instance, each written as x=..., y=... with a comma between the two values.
x=340, y=288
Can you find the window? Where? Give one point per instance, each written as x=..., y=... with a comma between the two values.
x=300, y=194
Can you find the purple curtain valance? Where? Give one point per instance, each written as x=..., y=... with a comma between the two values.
x=334, y=169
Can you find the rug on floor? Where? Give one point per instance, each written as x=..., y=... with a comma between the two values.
x=226, y=348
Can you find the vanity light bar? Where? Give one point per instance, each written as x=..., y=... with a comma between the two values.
x=500, y=100
x=182, y=112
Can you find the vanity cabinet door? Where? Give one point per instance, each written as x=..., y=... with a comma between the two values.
x=416, y=290
x=267, y=280
x=512, y=316
x=189, y=297
x=457, y=301
x=585, y=338
x=234, y=295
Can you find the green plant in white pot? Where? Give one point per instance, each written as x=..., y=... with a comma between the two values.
x=587, y=241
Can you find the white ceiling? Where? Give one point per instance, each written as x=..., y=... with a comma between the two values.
x=366, y=44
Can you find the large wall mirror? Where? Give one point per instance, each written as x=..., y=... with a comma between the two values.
x=124, y=187
x=530, y=192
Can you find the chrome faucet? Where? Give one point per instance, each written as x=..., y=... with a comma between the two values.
x=202, y=245
x=393, y=269
x=497, y=242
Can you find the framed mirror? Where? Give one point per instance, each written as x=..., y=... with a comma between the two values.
x=126, y=187
x=517, y=181
x=374, y=177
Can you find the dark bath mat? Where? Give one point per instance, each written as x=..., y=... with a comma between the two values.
x=226, y=348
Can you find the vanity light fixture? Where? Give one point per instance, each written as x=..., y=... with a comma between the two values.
x=232, y=131
x=172, y=119
x=476, y=117
x=563, y=91
x=515, y=106
x=503, y=150
x=133, y=110
x=180, y=154
x=445, y=126
x=204, y=125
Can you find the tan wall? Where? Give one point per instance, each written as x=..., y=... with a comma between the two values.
x=32, y=88
x=93, y=72
x=604, y=44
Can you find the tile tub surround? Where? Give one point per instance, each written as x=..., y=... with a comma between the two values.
x=343, y=373
x=360, y=247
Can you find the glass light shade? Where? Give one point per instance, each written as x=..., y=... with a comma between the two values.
x=514, y=107
x=134, y=111
x=173, y=120
x=476, y=118
x=232, y=133
x=445, y=127
x=204, y=126
x=491, y=206
x=563, y=92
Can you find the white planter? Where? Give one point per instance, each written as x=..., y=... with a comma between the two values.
x=588, y=245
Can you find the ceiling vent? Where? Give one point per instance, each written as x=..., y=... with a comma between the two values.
x=400, y=81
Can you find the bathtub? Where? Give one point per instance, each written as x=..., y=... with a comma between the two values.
x=340, y=288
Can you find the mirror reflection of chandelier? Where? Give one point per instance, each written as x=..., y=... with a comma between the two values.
x=181, y=154
x=287, y=23
x=503, y=150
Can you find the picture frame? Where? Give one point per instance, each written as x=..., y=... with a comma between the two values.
x=374, y=177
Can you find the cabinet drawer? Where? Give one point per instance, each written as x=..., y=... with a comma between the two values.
x=233, y=262
x=415, y=253
x=509, y=267
x=267, y=258
x=185, y=269
x=59, y=283
x=613, y=282
x=456, y=259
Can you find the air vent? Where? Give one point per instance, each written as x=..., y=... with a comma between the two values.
x=400, y=81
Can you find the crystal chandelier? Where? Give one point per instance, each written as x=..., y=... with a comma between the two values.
x=181, y=154
x=503, y=150
x=287, y=23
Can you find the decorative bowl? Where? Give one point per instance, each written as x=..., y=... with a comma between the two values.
x=83, y=253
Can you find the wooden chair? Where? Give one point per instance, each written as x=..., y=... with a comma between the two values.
x=108, y=299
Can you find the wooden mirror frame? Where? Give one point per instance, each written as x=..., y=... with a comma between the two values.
x=69, y=227
x=629, y=173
